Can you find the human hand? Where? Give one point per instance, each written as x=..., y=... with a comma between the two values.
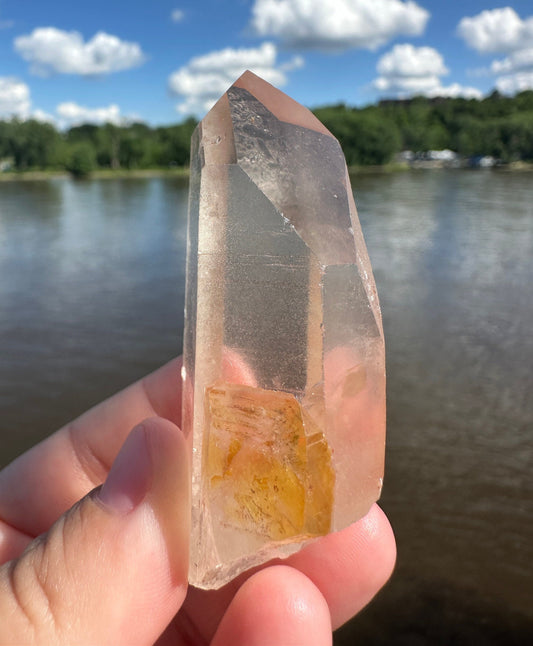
x=109, y=565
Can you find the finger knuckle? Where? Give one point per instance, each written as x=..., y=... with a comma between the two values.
x=39, y=583
x=30, y=588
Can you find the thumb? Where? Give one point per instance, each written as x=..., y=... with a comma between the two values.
x=113, y=569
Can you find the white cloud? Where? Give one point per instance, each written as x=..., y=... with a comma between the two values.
x=514, y=83
x=14, y=98
x=514, y=72
x=520, y=60
x=295, y=63
x=503, y=31
x=72, y=114
x=51, y=50
x=496, y=30
x=336, y=25
x=407, y=71
x=454, y=91
x=15, y=101
x=177, y=15
x=41, y=115
x=205, y=78
x=406, y=61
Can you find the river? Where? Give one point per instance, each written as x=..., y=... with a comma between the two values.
x=91, y=298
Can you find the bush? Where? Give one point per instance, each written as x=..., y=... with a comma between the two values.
x=81, y=159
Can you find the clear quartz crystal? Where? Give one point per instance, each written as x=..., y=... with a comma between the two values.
x=284, y=365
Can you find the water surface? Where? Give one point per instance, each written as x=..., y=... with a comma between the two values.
x=91, y=298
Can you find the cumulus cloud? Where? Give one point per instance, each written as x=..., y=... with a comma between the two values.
x=517, y=61
x=205, y=78
x=337, y=25
x=405, y=61
x=496, y=30
x=15, y=101
x=503, y=31
x=407, y=71
x=514, y=83
x=72, y=114
x=454, y=91
x=177, y=15
x=41, y=115
x=50, y=50
x=14, y=98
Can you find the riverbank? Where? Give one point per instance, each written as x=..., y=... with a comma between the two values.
x=183, y=171
x=137, y=173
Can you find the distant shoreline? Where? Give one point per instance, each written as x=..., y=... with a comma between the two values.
x=183, y=172
x=37, y=175
x=395, y=167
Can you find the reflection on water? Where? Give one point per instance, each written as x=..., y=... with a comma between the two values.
x=452, y=253
x=91, y=294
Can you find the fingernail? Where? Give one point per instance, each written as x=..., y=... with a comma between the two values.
x=130, y=476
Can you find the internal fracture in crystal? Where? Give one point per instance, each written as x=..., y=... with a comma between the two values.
x=284, y=379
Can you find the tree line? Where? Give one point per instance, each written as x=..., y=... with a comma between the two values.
x=34, y=145
x=496, y=125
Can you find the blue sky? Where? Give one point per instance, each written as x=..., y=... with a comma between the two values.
x=116, y=60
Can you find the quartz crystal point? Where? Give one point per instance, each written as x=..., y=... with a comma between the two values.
x=284, y=375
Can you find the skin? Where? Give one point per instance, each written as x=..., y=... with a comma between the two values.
x=86, y=564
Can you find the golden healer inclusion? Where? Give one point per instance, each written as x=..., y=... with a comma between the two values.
x=268, y=470
x=284, y=369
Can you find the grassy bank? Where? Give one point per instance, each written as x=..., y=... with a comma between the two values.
x=31, y=175
x=393, y=167
x=35, y=175
x=183, y=172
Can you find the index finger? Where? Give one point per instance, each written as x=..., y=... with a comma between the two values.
x=37, y=487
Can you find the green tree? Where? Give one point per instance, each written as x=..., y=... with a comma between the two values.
x=108, y=146
x=81, y=159
x=366, y=137
x=134, y=142
x=32, y=144
x=175, y=143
